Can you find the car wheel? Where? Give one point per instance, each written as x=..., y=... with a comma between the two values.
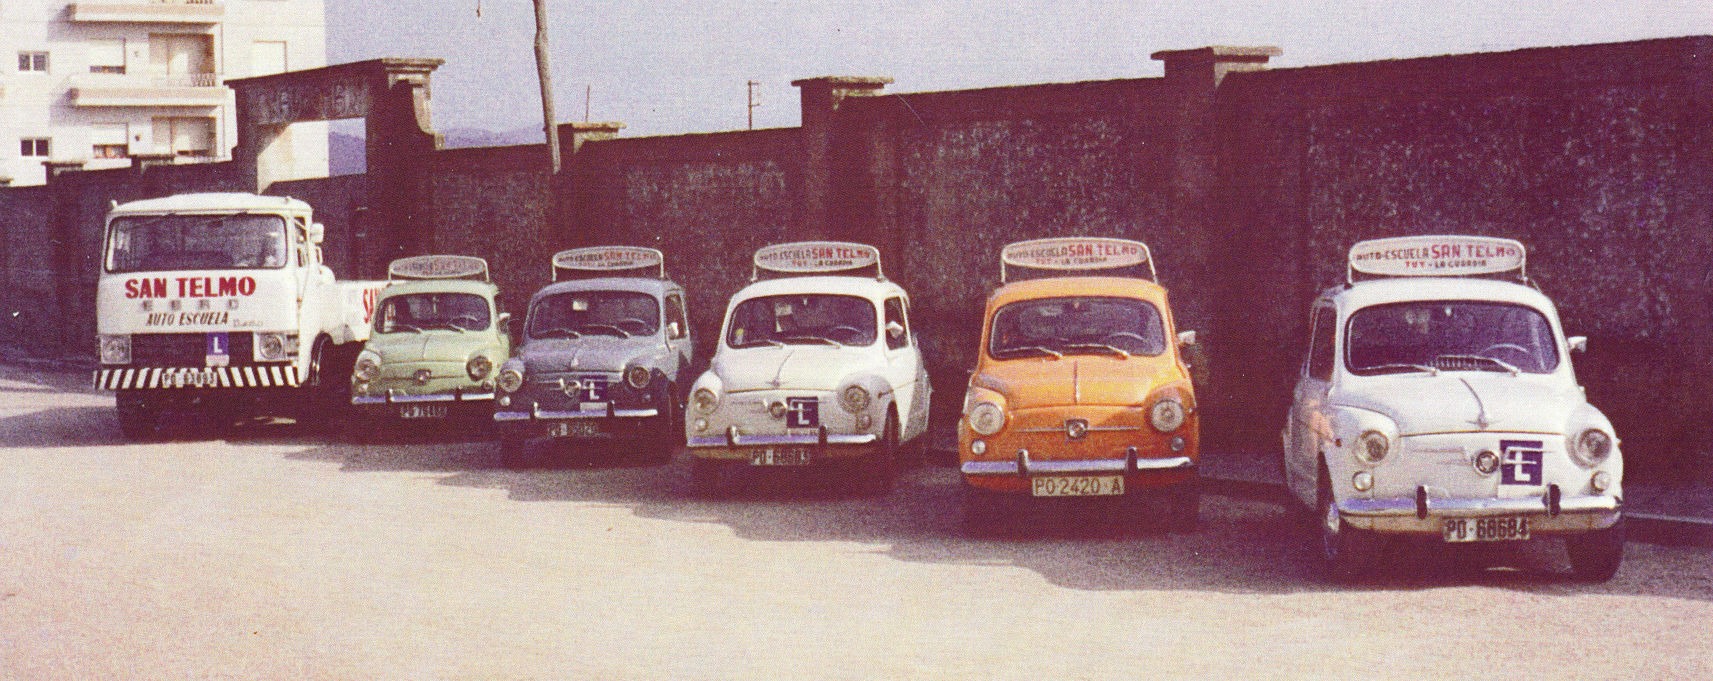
x=514, y=445
x=138, y=418
x=1345, y=552
x=1595, y=556
x=329, y=386
x=670, y=431
x=1183, y=506
x=882, y=468
x=985, y=513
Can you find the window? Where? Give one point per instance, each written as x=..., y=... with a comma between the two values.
x=184, y=136
x=33, y=147
x=107, y=56
x=808, y=319
x=33, y=61
x=675, y=315
x=196, y=242
x=582, y=313
x=895, y=315
x=1449, y=335
x=418, y=312
x=1321, y=353
x=1081, y=325
x=107, y=140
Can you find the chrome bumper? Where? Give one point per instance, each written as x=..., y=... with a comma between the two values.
x=395, y=398
x=610, y=412
x=1024, y=467
x=1549, y=512
x=732, y=438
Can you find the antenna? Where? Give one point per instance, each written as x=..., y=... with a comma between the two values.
x=754, y=87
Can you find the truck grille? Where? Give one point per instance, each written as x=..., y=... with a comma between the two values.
x=186, y=349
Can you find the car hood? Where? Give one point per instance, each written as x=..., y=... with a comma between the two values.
x=1467, y=402
x=588, y=353
x=1076, y=380
x=796, y=367
x=428, y=346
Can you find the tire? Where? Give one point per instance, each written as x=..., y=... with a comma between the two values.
x=1345, y=552
x=985, y=513
x=329, y=387
x=138, y=418
x=1183, y=507
x=669, y=433
x=706, y=477
x=513, y=445
x=881, y=470
x=1595, y=556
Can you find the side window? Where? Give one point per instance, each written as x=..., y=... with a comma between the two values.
x=675, y=315
x=1322, y=354
x=895, y=314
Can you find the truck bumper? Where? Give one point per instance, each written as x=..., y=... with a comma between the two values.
x=168, y=378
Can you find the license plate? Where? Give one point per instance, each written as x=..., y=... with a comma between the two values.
x=422, y=411
x=1502, y=528
x=581, y=428
x=789, y=456
x=1077, y=486
x=193, y=379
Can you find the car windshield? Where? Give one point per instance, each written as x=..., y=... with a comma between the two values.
x=1060, y=326
x=803, y=318
x=196, y=242
x=581, y=313
x=421, y=311
x=1450, y=336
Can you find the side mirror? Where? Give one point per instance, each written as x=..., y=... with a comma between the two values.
x=673, y=330
x=1578, y=344
x=505, y=322
x=1186, y=338
x=894, y=330
x=317, y=232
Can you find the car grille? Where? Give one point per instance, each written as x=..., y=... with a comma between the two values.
x=186, y=349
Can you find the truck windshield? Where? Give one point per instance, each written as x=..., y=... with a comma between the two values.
x=416, y=312
x=1089, y=325
x=821, y=319
x=581, y=313
x=1450, y=335
x=196, y=242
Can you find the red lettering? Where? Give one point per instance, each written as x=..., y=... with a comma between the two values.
x=131, y=289
x=228, y=287
x=247, y=286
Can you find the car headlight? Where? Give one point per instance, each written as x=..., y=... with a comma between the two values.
x=854, y=399
x=1166, y=415
x=637, y=377
x=705, y=401
x=478, y=367
x=368, y=368
x=986, y=418
x=1590, y=447
x=1372, y=446
x=511, y=380
x=115, y=349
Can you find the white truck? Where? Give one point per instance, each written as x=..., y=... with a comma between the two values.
x=221, y=305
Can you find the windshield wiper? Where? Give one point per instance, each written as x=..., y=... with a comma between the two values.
x=558, y=331
x=759, y=342
x=812, y=339
x=1100, y=346
x=401, y=326
x=1400, y=366
x=1033, y=348
x=1502, y=364
x=444, y=325
x=614, y=327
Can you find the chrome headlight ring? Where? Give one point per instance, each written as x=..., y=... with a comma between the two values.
x=986, y=418
x=1167, y=415
x=1591, y=447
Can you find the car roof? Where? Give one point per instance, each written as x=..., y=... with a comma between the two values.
x=213, y=201
x=866, y=287
x=404, y=287
x=1405, y=289
x=1054, y=287
x=650, y=285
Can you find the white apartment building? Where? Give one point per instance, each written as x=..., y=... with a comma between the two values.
x=103, y=84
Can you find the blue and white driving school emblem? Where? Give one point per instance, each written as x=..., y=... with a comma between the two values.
x=1520, y=462
x=592, y=389
x=802, y=412
x=217, y=352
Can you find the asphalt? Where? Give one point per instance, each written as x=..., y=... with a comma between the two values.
x=1668, y=514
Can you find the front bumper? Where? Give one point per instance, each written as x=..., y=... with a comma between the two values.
x=1549, y=513
x=1013, y=475
x=393, y=396
x=824, y=445
x=164, y=378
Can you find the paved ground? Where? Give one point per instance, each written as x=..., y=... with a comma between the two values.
x=282, y=555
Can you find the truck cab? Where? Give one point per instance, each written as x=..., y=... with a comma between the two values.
x=222, y=304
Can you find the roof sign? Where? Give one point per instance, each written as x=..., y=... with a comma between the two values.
x=1076, y=253
x=1437, y=256
x=607, y=259
x=816, y=257
x=439, y=267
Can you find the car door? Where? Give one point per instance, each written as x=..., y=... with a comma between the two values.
x=1308, y=423
x=904, y=367
x=678, y=342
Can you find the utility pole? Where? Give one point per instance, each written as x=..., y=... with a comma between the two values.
x=544, y=74
x=754, y=101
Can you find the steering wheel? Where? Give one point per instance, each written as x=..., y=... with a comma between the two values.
x=850, y=332
x=1513, y=347
x=465, y=321
x=1123, y=334
x=641, y=325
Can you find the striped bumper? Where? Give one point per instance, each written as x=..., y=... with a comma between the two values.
x=269, y=376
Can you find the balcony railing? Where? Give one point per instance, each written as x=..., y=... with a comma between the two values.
x=147, y=11
x=187, y=80
x=187, y=89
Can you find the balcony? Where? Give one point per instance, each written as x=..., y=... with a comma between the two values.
x=191, y=89
x=150, y=11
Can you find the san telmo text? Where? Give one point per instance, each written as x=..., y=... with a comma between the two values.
x=190, y=287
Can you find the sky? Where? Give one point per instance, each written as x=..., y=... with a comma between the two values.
x=666, y=68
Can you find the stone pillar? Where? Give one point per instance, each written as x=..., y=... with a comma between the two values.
x=820, y=99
